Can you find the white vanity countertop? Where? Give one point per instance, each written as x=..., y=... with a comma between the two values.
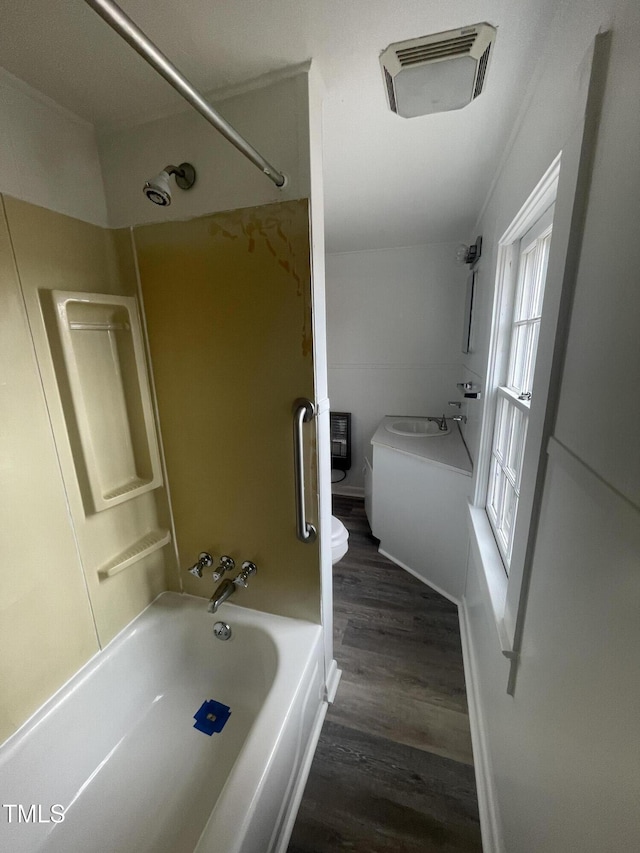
x=448, y=450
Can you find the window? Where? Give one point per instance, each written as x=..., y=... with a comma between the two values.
x=530, y=273
x=515, y=377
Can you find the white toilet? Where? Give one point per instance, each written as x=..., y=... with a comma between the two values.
x=339, y=540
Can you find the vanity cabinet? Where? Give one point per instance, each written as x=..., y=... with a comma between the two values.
x=420, y=487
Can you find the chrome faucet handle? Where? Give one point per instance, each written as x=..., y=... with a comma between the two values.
x=226, y=565
x=204, y=561
x=248, y=569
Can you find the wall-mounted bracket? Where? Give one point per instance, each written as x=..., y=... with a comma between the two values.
x=469, y=390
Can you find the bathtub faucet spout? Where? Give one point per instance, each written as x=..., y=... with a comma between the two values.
x=228, y=587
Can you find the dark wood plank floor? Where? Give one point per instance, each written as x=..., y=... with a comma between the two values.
x=393, y=770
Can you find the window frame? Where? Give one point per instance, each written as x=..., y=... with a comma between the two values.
x=506, y=592
x=512, y=399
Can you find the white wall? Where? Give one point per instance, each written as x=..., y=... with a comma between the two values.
x=394, y=333
x=274, y=119
x=564, y=759
x=49, y=155
x=52, y=158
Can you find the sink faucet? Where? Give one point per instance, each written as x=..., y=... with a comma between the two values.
x=228, y=587
x=442, y=425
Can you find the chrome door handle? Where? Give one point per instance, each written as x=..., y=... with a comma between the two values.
x=303, y=412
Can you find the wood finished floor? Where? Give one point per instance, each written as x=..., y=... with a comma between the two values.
x=393, y=770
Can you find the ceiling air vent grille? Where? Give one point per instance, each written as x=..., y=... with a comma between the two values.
x=482, y=68
x=388, y=79
x=437, y=72
x=436, y=50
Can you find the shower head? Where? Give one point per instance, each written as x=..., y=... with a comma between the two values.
x=158, y=189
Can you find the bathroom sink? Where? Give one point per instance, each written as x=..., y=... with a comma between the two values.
x=415, y=428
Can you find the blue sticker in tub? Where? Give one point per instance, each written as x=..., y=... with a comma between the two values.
x=211, y=717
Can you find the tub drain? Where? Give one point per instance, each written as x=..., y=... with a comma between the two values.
x=221, y=630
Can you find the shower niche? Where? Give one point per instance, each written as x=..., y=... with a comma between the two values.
x=107, y=399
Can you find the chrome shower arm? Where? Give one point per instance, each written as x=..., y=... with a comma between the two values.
x=133, y=35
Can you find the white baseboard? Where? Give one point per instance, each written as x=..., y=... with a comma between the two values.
x=347, y=491
x=298, y=789
x=487, y=801
x=420, y=577
x=333, y=679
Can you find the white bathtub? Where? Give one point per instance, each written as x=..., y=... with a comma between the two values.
x=115, y=751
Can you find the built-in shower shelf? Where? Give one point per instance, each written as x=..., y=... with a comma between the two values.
x=99, y=327
x=153, y=541
x=125, y=488
x=109, y=405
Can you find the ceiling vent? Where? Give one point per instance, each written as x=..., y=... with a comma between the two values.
x=445, y=71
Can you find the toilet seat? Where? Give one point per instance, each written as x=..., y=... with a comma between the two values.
x=339, y=540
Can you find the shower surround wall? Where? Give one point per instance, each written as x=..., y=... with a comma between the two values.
x=227, y=301
x=50, y=626
x=41, y=585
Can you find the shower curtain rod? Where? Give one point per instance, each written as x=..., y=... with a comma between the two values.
x=131, y=33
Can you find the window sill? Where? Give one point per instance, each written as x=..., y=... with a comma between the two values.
x=487, y=555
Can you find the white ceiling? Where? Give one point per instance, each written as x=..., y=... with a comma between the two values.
x=388, y=181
